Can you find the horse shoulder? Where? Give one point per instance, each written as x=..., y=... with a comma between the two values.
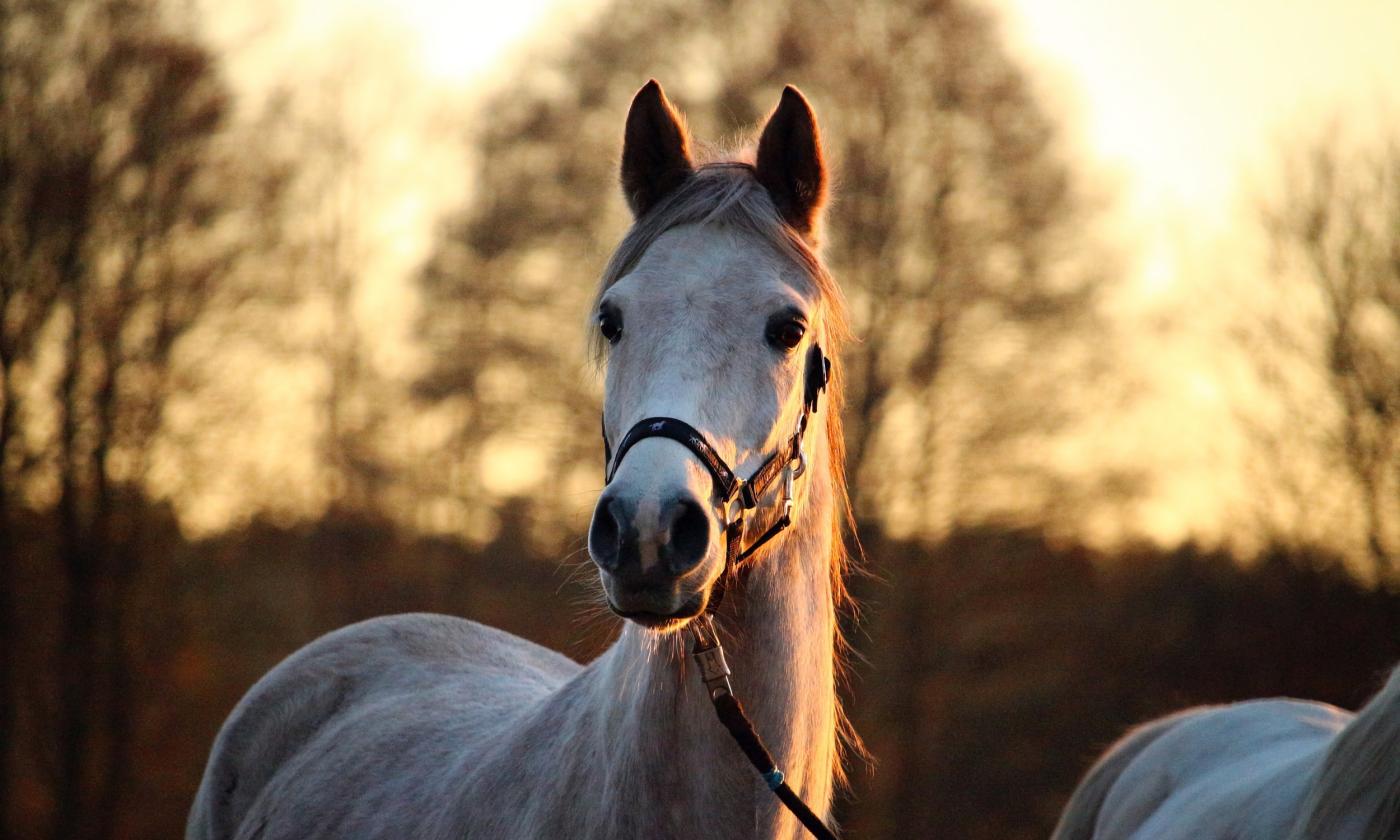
x=1082, y=814
x=340, y=673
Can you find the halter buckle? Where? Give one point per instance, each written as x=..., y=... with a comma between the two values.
x=734, y=508
x=709, y=656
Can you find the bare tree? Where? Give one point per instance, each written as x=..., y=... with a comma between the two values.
x=338, y=123
x=1327, y=344
x=44, y=200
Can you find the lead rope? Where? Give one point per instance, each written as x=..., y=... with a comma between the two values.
x=714, y=672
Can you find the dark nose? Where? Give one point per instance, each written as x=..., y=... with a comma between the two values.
x=642, y=552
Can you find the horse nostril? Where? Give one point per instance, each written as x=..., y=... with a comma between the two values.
x=663, y=548
x=690, y=536
x=603, y=535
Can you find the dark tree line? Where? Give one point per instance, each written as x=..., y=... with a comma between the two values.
x=1037, y=653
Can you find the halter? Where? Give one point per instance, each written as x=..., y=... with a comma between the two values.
x=735, y=495
x=735, y=498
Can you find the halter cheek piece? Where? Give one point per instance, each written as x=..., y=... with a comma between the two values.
x=735, y=495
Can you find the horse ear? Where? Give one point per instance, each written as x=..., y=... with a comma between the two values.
x=790, y=164
x=655, y=150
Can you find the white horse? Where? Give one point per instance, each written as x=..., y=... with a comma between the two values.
x=1258, y=770
x=427, y=726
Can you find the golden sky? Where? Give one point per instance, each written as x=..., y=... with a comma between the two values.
x=1178, y=97
x=1178, y=104
x=1183, y=105
x=1177, y=107
x=1186, y=96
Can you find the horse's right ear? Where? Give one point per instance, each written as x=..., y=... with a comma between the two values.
x=790, y=162
x=655, y=150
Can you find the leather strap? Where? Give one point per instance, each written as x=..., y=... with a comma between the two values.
x=726, y=483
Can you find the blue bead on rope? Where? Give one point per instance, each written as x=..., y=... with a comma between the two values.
x=774, y=778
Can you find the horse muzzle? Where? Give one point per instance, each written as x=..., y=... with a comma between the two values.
x=652, y=556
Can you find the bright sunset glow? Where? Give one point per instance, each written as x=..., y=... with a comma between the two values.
x=457, y=41
x=1185, y=96
x=1054, y=344
x=1181, y=97
x=1175, y=109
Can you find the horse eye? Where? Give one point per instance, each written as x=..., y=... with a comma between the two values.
x=610, y=325
x=786, y=334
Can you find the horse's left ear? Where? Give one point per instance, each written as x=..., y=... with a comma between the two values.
x=790, y=162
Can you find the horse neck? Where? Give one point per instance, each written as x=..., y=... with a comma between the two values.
x=778, y=627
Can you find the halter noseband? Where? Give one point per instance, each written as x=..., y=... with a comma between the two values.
x=729, y=488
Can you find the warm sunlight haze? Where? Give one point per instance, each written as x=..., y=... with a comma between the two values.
x=1175, y=108
x=1185, y=97
x=1178, y=105
x=408, y=408
x=459, y=41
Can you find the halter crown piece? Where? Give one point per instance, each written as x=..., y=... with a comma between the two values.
x=735, y=498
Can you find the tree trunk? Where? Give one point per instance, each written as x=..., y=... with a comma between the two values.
x=8, y=643
x=77, y=633
x=1373, y=497
x=110, y=551
x=118, y=718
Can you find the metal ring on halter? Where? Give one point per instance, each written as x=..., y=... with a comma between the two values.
x=732, y=511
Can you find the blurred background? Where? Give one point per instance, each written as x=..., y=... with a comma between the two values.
x=292, y=307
